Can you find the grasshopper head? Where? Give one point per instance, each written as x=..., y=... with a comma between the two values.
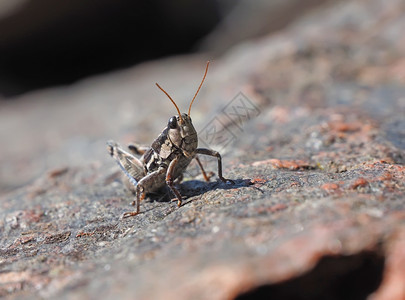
x=181, y=131
x=182, y=134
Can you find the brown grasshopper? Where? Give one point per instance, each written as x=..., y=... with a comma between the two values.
x=167, y=158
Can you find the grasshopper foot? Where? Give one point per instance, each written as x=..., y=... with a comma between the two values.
x=130, y=214
x=208, y=176
x=178, y=201
x=227, y=181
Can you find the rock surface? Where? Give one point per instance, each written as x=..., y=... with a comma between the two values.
x=310, y=122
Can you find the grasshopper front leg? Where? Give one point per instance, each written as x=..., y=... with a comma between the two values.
x=146, y=183
x=218, y=156
x=169, y=180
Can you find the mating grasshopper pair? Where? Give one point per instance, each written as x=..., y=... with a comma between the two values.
x=167, y=158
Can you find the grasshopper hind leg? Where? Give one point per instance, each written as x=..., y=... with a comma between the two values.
x=129, y=164
x=134, y=171
x=140, y=195
x=150, y=182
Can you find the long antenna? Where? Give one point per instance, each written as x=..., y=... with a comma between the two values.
x=205, y=74
x=178, y=110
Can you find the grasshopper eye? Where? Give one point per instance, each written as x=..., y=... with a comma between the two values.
x=172, y=122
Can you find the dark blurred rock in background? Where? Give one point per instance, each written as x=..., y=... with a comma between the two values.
x=45, y=43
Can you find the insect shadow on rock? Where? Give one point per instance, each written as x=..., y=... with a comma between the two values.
x=166, y=160
x=192, y=188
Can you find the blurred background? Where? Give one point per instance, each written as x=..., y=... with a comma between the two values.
x=45, y=43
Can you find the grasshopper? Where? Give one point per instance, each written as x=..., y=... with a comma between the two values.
x=166, y=160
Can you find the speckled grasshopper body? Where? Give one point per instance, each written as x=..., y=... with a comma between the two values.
x=167, y=158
